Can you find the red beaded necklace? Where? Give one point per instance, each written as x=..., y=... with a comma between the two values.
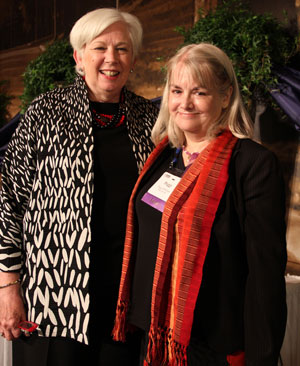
x=108, y=115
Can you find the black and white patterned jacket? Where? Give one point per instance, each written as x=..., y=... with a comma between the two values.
x=46, y=203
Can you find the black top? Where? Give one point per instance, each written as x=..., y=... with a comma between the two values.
x=116, y=172
x=148, y=220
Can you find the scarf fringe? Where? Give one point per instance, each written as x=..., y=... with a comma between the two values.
x=163, y=350
x=119, y=330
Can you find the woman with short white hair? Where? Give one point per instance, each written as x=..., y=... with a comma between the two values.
x=66, y=181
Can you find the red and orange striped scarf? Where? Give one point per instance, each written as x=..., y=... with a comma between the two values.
x=184, y=238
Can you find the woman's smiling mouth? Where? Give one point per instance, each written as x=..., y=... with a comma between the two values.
x=109, y=73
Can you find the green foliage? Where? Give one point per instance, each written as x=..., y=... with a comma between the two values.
x=253, y=42
x=54, y=67
x=5, y=100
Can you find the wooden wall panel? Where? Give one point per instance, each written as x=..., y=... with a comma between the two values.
x=68, y=11
x=23, y=21
x=26, y=21
x=12, y=65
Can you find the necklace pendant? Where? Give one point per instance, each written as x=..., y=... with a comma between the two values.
x=191, y=156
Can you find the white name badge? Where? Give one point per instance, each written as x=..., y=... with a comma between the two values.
x=161, y=190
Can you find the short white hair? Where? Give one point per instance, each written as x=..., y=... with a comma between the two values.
x=93, y=23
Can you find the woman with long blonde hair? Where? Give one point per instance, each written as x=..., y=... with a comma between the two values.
x=205, y=250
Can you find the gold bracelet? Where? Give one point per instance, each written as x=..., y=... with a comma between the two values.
x=11, y=283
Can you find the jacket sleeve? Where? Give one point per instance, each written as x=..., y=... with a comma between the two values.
x=18, y=172
x=265, y=236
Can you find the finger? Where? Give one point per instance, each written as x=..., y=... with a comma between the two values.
x=7, y=335
x=16, y=332
x=12, y=334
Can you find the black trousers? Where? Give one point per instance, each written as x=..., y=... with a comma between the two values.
x=59, y=351
x=198, y=354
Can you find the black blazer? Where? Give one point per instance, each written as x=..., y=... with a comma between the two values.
x=241, y=303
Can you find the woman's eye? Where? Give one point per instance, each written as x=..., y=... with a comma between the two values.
x=201, y=93
x=122, y=49
x=175, y=91
x=100, y=48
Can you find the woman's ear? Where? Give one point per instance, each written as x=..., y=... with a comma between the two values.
x=78, y=59
x=133, y=64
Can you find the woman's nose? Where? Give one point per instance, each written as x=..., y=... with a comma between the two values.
x=187, y=102
x=111, y=55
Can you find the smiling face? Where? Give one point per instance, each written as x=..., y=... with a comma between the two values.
x=192, y=107
x=106, y=62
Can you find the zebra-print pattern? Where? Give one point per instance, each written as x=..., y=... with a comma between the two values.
x=46, y=203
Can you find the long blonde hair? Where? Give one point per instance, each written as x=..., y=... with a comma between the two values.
x=212, y=68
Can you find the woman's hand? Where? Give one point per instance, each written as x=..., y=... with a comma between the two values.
x=12, y=310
